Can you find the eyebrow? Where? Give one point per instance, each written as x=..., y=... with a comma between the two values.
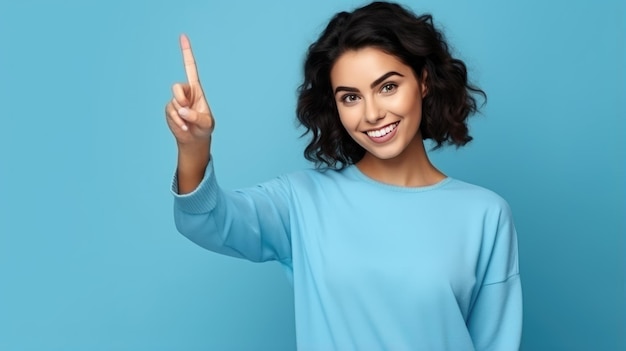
x=374, y=83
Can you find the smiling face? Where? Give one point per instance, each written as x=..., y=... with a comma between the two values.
x=379, y=100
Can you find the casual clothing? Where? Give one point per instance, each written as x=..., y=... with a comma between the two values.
x=373, y=266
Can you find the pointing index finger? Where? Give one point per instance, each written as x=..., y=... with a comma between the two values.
x=190, y=63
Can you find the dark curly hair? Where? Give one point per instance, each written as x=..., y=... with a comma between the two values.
x=412, y=39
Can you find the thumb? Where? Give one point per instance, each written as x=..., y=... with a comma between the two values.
x=202, y=120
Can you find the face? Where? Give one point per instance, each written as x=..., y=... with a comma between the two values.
x=379, y=100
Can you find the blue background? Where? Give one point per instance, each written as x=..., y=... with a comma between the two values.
x=90, y=258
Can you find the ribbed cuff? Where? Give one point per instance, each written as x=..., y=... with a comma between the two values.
x=203, y=198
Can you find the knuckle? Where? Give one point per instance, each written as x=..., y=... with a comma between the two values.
x=175, y=88
x=180, y=99
x=171, y=114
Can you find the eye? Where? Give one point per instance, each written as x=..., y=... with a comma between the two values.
x=389, y=88
x=349, y=98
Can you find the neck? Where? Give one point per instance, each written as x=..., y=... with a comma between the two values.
x=411, y=168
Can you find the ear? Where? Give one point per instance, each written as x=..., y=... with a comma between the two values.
x=422, y=82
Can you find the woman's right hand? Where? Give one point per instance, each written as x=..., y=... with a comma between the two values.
x=191, y=121
x=188, y=114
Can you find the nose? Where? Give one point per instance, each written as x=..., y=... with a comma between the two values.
x=373, y=113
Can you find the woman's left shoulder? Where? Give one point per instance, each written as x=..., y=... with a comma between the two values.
x=477, y=195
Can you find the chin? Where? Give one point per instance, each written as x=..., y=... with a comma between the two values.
x=382, y=154
x=397, y=148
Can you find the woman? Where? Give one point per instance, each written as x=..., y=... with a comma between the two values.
x=386, y=252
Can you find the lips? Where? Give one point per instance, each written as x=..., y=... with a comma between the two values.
x=383, y=134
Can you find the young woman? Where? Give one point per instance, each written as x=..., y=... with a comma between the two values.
x=386, y=251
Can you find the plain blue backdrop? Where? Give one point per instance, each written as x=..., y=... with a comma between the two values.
x=90, y=258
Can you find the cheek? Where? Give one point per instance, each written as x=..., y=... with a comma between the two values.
x=408, y=105
x=349, y=118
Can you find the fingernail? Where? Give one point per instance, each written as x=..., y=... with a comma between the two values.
x=183, y=112
x=184, y=127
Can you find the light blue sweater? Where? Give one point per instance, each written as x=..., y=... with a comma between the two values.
x=373, y=266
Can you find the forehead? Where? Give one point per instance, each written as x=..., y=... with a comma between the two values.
x=363, y=66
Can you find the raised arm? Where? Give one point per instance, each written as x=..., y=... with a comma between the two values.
x=251, y=223
x=190, y=119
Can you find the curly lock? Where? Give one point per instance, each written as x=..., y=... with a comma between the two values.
x=417, y=43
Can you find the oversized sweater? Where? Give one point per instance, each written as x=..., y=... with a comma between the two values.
x=373, y=266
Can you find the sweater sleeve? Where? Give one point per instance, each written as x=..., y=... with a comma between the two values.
x=250, y=223
x=495, y=321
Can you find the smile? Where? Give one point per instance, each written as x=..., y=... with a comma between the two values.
x=379, y=133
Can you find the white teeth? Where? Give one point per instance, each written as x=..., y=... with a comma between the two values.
x=382, y=132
